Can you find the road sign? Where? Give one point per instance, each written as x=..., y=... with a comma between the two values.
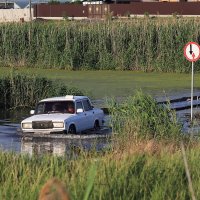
x=192, y=51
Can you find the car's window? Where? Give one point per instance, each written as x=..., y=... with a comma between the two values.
x=55, y=107
x=79, y=105
x=87, y=105
x=40, y=108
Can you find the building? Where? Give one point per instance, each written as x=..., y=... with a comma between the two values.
x=9, y=5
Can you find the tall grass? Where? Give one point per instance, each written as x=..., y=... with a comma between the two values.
x=22, y=90
x=141, y=116
x=147, y=44
x=112, y=176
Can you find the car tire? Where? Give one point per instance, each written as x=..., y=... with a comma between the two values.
x=96, y=125
x=72, y=129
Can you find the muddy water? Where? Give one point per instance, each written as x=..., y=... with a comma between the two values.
x=11, y=140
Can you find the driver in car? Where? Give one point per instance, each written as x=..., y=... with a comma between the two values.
x=70, y=108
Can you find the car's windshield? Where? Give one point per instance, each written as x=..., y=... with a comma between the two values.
x=55, y=107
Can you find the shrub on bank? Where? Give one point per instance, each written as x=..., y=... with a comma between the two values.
x=141, y=116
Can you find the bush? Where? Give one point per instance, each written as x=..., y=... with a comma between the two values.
x=141, y=116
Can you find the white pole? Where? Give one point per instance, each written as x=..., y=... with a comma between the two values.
x=30, y=12
x=192, y=83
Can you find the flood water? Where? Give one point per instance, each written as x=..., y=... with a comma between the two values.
x=11, y=140
x=184, y=117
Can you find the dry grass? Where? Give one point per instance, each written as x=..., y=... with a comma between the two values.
x=53, y=189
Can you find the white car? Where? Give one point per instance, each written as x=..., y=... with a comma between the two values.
x=68, y=114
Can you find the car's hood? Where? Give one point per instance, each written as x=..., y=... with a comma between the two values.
x=48, y=117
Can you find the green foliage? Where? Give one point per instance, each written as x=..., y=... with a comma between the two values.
x=128, y=14
x=77, y=2
x=137, y=44
x=21, y=90
x=54, y=2
x=65, y=16
x=109, y=16
x=90, y=182
x=146, y=15
x=141, y=116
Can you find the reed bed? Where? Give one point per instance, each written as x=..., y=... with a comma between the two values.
x=23, y=90
x=147, y=44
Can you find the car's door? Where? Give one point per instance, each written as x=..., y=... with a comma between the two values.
x=81, y=120
x=89, y=113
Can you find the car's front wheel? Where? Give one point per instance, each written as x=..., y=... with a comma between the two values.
x=72, y=129
x=96, y=125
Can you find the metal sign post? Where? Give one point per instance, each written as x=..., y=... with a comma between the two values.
x=192, y=86
x=192, y=54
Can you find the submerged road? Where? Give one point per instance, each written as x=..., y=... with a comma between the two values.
x=56, y=144
x=11, y=140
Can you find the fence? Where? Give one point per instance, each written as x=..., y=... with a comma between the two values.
x=135, y=8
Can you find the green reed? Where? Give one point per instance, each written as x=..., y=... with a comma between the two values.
x=135, y=44
x=23, y=90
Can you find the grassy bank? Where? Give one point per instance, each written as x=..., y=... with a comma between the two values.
x=143, y=162
x=117, y=83
x=147, y=45
x=143, y=170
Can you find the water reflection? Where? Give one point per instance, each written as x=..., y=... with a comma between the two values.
x=68, y=148
x=37, y=148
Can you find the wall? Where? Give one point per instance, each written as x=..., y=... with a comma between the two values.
x=14, y=15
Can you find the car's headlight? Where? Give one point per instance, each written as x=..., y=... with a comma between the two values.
x=58, y=124
x=27, y=125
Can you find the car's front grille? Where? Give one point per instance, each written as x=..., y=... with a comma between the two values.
x=42, y=124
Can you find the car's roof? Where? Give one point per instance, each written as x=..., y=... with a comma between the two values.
x=65, y=98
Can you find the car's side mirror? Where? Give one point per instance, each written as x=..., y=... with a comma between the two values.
x=32, y=112
x=79, y=110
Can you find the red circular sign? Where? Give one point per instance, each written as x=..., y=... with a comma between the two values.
x=192, y=51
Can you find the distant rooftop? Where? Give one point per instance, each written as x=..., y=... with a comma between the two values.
x=6, y=4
